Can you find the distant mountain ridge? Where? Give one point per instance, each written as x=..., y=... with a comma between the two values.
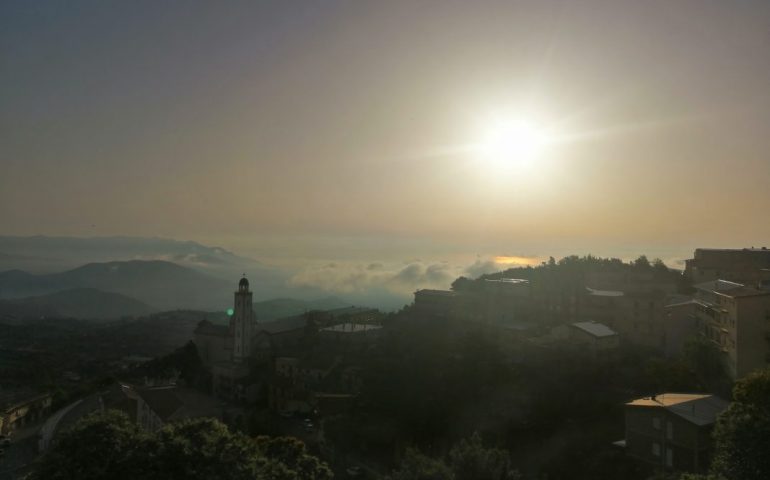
x=161, y=284
x=80, y=303
x=23, y=252
x=50, y=254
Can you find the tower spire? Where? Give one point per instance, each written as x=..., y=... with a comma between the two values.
x=242, y=321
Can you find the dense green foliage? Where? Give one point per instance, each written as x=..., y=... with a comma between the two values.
x=417, y=466
x=183, y=361
x=705, y=359
x=571, y=270
x=468, y=460
x=108, y=445
x=557, y=411
x=742, y=433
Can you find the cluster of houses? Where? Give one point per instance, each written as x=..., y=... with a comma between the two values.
x=307, y=362
x=300, y=364
x=728, y=304
x=22, y=407
x=310, y=363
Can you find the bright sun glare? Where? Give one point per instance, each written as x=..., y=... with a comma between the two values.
x=513, y=143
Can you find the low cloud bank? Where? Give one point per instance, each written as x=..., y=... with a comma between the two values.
x=359, y=277
x=401, y=279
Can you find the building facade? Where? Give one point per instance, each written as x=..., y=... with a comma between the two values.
x=737, y=319
x=597, y=339
x=672, y=431
x=20, y=409
x=226, y=349
x=744, y=265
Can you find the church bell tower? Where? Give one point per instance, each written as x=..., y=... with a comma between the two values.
x=242, y=322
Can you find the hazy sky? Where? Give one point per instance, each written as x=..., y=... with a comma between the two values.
x=296, y=131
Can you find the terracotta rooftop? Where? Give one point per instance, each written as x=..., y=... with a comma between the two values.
x=700, y=409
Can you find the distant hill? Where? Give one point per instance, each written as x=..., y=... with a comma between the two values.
x=79, y=250
x=81, y=303
x=44, y=255
x=285, y=307
x=158, y=283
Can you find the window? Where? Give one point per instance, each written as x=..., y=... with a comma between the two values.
x=656, y=449
x=669, y=457
x=656, y=423
x=669, y=430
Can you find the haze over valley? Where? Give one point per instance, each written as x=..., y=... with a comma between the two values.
x=384, y=240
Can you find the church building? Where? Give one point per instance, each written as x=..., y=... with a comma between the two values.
x=226, y=349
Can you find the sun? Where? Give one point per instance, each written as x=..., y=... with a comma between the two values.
x=512, y=143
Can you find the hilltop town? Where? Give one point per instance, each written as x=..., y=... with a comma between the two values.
x=625, y=366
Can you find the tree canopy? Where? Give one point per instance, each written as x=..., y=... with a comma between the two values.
x=742, y=433
x=467, y=460
x=108, y=445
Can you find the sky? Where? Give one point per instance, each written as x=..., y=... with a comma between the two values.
x=304, y=133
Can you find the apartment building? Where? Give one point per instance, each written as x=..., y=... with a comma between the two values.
x=744, y=265
x=735, y=317
x=672, y=430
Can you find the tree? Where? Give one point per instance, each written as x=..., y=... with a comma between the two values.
x=464, y=284
x=102, y=445
x=202, y=449
x=684, y=476
x=184, y=360
x=705, y=359
x=108, y=445
x=642, y=262
x=742, y=433
x=469, y=460
x=665, y=375
x=417, y=466
x=659, y=267
x=290, y=454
